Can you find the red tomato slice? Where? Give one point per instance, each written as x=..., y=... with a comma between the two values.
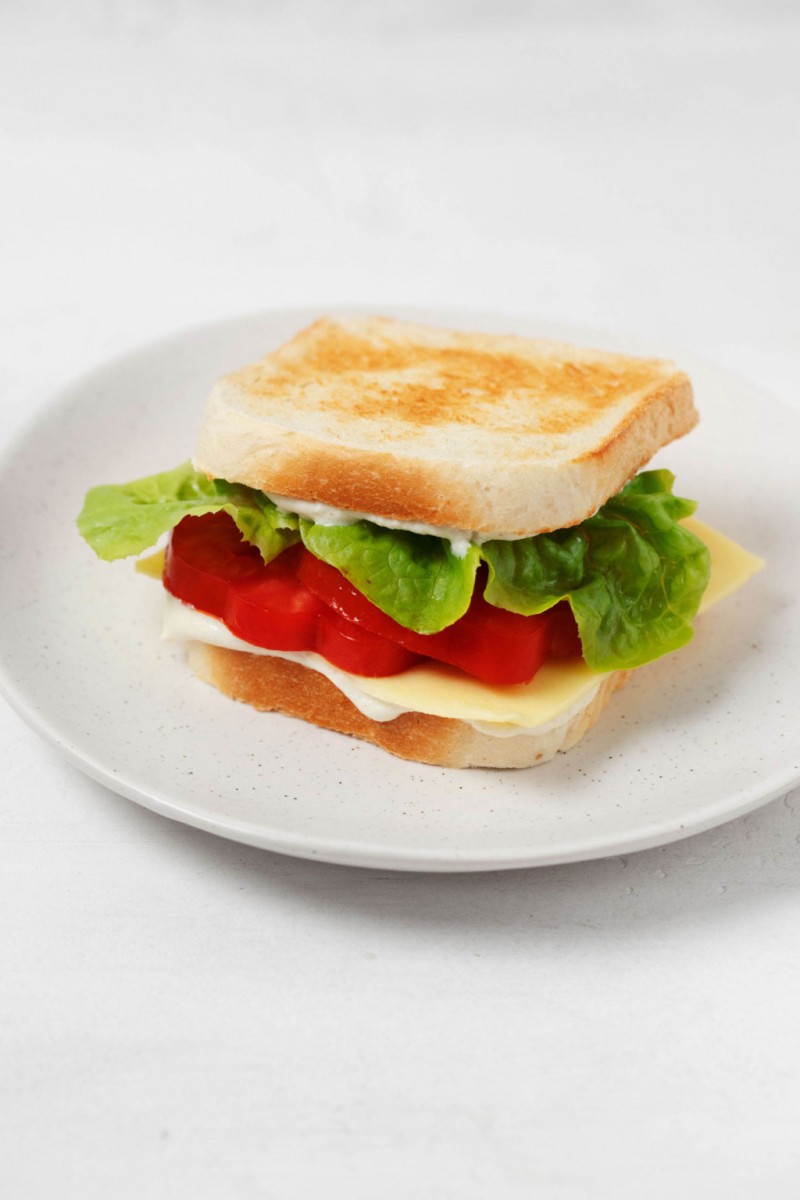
x=565, y=641
x=487, y=642
x=297, y=602
x=209, y=566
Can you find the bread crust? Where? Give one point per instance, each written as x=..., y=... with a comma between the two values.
x=497, y=435
x=274, y=684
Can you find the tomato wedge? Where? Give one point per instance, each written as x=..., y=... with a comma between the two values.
x=298, y=602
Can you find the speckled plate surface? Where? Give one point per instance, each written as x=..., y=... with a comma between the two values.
x=694, y=740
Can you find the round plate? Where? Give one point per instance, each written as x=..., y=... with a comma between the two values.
x=693, y=740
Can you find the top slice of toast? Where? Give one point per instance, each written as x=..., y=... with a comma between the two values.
x=494, y=434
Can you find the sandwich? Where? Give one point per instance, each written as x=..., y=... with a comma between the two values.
x=444, y=543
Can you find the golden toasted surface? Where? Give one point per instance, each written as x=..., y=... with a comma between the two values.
x=382, y=370
x=415, y=379
x=499, y=434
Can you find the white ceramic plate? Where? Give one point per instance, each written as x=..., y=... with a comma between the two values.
x=694, y=740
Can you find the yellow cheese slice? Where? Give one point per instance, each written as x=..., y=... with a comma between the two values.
x=731, y=564
x=152, y=565
x=443, y=691
x=559, y=686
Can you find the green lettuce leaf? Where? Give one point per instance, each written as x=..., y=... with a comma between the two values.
x=414, y=578
x=633, y=576
x=118, y=520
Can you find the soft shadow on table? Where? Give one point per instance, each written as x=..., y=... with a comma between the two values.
x=706, y=878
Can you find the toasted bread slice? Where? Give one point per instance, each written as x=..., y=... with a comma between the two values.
x=499, y=435
x=278, y=685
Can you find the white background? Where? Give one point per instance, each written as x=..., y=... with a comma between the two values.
x=181, y=1016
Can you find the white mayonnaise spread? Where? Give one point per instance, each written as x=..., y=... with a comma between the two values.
x=324, y=514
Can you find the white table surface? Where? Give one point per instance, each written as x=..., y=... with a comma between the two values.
x=184, y=1016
